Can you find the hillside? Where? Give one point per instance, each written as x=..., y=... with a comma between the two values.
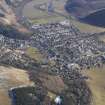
x=82, y=8
x=88, y=11
x=96, y=84
x=8, y=17
x=11, y=77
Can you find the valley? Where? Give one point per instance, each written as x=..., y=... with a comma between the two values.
x=46, y=53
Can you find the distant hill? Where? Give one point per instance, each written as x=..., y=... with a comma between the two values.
x=90, y=11
x=82, y=8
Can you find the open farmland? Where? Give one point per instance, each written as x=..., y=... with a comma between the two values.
x=11, y=77
x=83, y=27
x=39, y=11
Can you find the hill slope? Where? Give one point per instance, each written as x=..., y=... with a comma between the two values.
x=88, y=11
x=82, y=8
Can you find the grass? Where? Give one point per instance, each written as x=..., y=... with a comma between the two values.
x=35, y=54
x=53, y=83
x=11, y=77
x=47, y=20
x=96, y=84
x=87, y=28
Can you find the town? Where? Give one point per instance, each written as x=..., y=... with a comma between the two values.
x=70, y=49
x=66, y=52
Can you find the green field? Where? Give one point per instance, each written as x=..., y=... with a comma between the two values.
x=34, y=54
x=87, y=28
x=42, y=16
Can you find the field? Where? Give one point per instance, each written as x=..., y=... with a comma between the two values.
x=87, y=28
x=41, y=15
x=96, y=83
x=11, y=77
x=52, y=83
x=47, y=20
x=35, y=54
